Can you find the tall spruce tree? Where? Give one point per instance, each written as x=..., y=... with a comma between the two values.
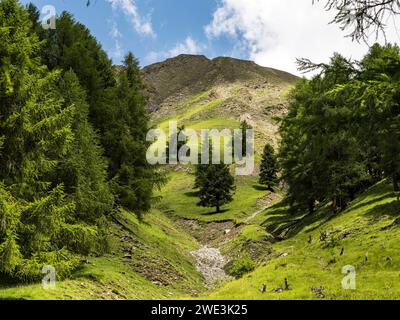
x=84, y=169
x=124, y=139
x=116, y=108
x=38, y=225
x=269, y=168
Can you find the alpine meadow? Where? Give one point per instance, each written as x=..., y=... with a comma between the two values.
x=199, y=172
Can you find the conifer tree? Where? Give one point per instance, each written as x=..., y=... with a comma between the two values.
x=38, y=225
x=116, y=108
x=84, y=170
x=268, y=168
x=318, y=144
x=244, y=126
x=180, y=144
x=216, y=185
x=124, y=139
x=374, y=97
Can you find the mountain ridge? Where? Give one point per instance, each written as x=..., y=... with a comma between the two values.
x=190, y=74
x=219, y=93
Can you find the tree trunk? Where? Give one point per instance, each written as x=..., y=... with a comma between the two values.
x=334, y=204
x=396, y=186
x=352, y=195
x=218, y=209
x=311, y=207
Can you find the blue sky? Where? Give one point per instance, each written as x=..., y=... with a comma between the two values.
x=271, y=32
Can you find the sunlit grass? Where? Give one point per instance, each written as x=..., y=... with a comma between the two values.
x=365, y=233
x=179, y=197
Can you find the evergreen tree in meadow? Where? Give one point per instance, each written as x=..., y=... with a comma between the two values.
x=244, y=126
x=38, y=223
x=216, y=185
x=269, y=168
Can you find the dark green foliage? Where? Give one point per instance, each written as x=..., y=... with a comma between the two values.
x=38, y=220
x=374, y=94
x=342, y=130
x=71, y=46
x=56, y=183
x=320, y=158
x=124, y=138
x=216, y=185
x=116, y=110
x=244, y=126
x=180, y=144
x=269, y=167
x=241, y=266
x=84, y=171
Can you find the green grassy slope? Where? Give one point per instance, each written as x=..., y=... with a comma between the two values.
x=180, y=199
x=151, y=259
x=148, y=260
x=364, y=236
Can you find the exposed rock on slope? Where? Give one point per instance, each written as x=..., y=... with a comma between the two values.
x=187, y=75
x=197, y=91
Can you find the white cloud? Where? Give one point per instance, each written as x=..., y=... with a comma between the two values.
x=117, y=51
x=188, y=46
x=141, y=24
x=114, y=32
x=275, y=32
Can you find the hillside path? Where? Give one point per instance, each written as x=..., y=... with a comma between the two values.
x=273, y=199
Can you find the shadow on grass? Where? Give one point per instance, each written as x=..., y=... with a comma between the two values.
x=372, y=201
x=283, y=223
x=390, y=209
x=9, y=282
x=192, y=194
x=214, y=213
x=259, y=187
x=279, y=219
